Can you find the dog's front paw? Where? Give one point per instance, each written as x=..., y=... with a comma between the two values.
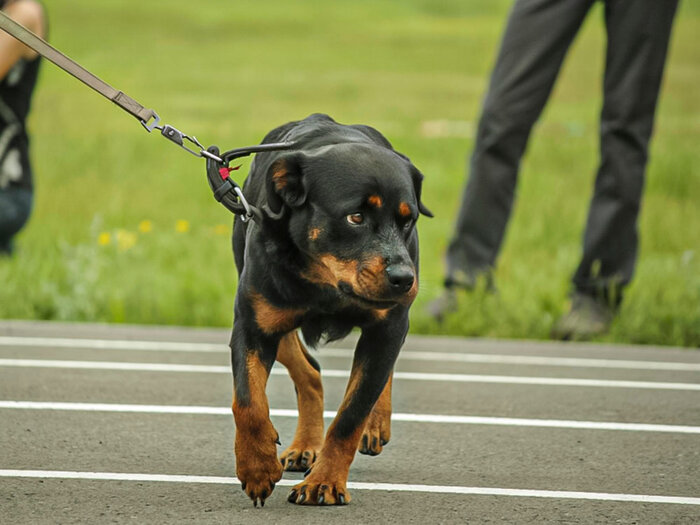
x=320, y=490
x=299, y=457
x=376, y=434
x=257, y=466
x=258, y=478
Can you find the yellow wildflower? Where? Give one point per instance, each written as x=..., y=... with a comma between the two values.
x=104, y=238
x=145, y=226
x=182, y=226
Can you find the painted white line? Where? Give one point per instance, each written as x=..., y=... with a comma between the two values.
x=329, y=414
x=573, y=362
x=137, y=409
x=110, y=344
x=406, y=355
x=115, y=365
x=413, y=376
x=354, y=485
x=545, y=381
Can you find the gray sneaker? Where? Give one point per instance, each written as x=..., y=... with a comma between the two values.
x=459, y=281
x=443, y=305
x=471, y=279
x=586, y=319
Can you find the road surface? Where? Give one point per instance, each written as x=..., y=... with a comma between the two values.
x=117, y=424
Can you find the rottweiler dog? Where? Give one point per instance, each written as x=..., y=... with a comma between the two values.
x=335, y=248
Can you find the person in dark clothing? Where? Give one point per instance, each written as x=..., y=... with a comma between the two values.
x=536, y=39
x=19, y=67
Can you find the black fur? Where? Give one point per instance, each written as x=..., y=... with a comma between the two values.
x=336, y=249
x=342, y=165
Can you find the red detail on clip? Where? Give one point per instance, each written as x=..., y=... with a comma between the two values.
x=225, y=172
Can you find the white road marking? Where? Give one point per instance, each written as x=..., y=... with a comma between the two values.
x=329, y=414
x=110, y=344
x=115, y=365
x=414, y=376
x=528, y=360
x=354, y=485
x=406, y=355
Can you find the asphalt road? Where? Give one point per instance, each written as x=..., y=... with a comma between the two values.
x=105, y=424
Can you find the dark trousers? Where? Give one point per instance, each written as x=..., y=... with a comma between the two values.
x=15, y=207
x=536, y=40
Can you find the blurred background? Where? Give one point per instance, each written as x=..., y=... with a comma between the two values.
x=125, y=230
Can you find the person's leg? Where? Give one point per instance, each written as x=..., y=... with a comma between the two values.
x=15, y=207
x=638, y=34
x=536, y=39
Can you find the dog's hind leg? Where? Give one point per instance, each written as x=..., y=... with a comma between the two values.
x=378, y=427
x=305, y=373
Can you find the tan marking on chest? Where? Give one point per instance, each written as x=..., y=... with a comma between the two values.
x=273, y=319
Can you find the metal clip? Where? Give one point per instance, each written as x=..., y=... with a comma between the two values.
x=153, y=125
x=179, y=138
x=248, y=211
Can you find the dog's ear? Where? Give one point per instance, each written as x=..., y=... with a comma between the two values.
x=284, y=185
x=417, y=178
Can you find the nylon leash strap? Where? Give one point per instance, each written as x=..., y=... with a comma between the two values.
x=52, y=54
x=226, y=191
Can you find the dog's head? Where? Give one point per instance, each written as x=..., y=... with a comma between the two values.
x=351, y=210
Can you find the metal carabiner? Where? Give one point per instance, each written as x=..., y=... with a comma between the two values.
x=179, y=138
x=248, y=211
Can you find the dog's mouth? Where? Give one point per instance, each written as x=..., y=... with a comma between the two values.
x=383, y=304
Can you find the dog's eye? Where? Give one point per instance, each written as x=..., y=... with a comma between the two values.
x=355, y=218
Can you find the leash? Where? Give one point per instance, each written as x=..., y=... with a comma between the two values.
x=225, y=190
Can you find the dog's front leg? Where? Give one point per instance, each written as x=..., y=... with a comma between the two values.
x=375, y=355
x=377, y=431
x=257, y=465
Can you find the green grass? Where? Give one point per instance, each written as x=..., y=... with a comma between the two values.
x=228, y=72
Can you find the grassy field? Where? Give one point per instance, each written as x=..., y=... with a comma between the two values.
x=124, y=227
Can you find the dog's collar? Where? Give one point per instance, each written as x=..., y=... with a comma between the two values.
x=225, y=189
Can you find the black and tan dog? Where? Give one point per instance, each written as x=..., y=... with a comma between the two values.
x=336, y=248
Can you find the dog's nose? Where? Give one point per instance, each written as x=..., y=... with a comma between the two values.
x=401, y=277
